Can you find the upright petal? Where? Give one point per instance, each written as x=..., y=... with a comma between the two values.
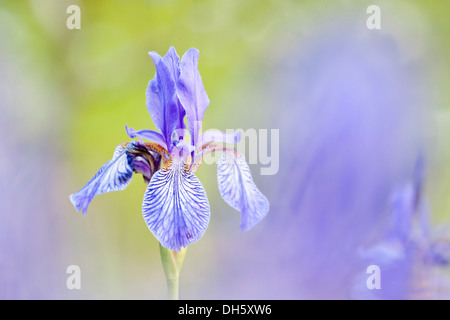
x=114, y=175
x=237, y=188
x=172, y=60
x=162, y=100
x=175, y=206
x=191, y=92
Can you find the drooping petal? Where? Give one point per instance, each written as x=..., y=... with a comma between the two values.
x=142, y=165
x=162, y=102
x=191, y=92
x=148, y=135
x=146, y=160
x=114, y=175
x=175, y=206
x=237, y=188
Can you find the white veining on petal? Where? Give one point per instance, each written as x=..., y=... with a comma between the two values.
x=238, y=189
x=114, y=175
x=175, y=206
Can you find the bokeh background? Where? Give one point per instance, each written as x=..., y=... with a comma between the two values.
x=356, y=109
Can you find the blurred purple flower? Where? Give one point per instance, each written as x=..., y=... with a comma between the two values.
x=352, y=110
x=409, y=244
x=31, y=254
x=175, y=206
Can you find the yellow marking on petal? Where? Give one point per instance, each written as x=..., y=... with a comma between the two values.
x=156, y=147
x=167, y=165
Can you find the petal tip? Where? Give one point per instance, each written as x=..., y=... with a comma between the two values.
x=256, y=217
x=130, y=131
x=194, y=52
x=172, y=51
x=155, y=57
x=76, y=201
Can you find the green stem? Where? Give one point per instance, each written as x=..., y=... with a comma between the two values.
x=172, y=262
x=172, y=288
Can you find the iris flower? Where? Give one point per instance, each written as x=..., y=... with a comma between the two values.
x=410, y=243
x=175, y=205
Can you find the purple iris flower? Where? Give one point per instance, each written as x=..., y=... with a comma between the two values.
x=409, y=244
x=175, y=206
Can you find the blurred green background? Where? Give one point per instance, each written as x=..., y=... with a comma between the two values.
x=69, y=93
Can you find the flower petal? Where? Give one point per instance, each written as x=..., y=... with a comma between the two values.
x=114, y=175
x=162, y=102
x=237, y=188
x=148, y=135
x=191, y=92
x=175, y=206
x=172, y=60
x=146, y=160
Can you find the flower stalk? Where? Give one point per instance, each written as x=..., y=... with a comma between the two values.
x=172, y=262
